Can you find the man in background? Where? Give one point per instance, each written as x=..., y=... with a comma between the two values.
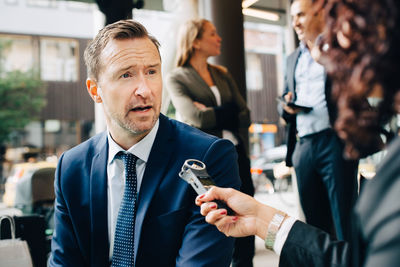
x=327, y=182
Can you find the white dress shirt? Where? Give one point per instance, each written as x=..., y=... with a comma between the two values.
x=116, y=175
x=282, y=234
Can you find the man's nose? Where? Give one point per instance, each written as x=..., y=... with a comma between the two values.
x=143, y=88
x=295, y=21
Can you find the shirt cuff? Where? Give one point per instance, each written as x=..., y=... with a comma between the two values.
x=282, y=234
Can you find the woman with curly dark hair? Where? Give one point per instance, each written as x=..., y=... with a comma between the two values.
x=361, y=51
x=364, y=59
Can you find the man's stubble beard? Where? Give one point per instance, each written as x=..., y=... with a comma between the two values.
x=124, y=122
x=132, y=127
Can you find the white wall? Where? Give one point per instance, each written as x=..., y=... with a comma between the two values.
x=67, y=19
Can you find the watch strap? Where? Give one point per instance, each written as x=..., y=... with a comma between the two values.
x=273, y=228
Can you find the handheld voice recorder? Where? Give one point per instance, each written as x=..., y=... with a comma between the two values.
x=194, y=172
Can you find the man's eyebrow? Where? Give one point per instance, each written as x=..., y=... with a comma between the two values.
x=153, y=65
x=134, y=65
x=126, y=68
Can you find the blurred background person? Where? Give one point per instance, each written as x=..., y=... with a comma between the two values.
x=207, y=97
x=363, y=60
x=327, y=182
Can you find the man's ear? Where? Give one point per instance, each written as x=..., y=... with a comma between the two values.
x=93, y=90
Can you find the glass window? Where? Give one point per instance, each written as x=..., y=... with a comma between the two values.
x=79, y=6
x=262, y=40
x=11, y=2
x=42, y=3
x=254, y=77
x=58, y=59
x=16, y=52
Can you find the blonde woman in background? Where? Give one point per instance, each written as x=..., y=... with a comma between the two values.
x=206, y=97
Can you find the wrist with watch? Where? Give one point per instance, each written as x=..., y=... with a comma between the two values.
x=273, y=228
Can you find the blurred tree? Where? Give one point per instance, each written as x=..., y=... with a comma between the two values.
x=115, y=10
x=22, y=96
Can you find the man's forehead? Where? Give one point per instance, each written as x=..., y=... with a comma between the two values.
x=129, y=42
x=300, y=6
x=132, y=46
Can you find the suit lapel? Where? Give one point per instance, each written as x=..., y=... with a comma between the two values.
x=222, y=88
x=98, y=205
x=204, y=86
x=154, y=173
x=291, y=71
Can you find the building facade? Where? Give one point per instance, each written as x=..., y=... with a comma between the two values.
x=50, y=37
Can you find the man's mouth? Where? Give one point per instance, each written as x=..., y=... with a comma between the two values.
x=141, y=108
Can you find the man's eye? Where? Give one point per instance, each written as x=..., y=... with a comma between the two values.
x=152, y=72
x=125, y=75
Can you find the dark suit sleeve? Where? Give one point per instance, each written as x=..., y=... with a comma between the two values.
x=64, y=246
x=202, y=243
x=244, y=112
x=289, y=118
x=286, y=116
x=309, y=246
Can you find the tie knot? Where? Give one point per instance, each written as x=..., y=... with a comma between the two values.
x=128, y=158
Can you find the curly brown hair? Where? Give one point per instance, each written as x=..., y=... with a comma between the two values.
x=363, y=59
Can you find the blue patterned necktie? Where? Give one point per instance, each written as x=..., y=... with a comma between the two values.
x=124, y=246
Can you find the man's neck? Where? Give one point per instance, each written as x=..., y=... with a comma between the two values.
x=127, y=140
x=309, y=44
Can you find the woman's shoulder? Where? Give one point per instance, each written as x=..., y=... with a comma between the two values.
x=219, y=68
x=180, y=72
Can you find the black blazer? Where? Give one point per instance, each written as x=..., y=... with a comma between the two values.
x=376, y=227
x=290, y=86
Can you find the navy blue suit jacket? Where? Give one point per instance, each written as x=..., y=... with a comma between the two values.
x=169, y=229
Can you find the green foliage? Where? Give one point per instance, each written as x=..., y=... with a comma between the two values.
x=171, y=110
x=22, y=96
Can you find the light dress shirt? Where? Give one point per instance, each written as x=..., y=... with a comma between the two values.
x=282, y=234
x=310, y=91
x=116, y=175
x=225, y=133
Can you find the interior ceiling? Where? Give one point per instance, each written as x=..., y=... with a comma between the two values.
x=271, y=5
x=275, y=6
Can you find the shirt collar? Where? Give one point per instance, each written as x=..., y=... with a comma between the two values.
x=303, y=47
x=141, y=149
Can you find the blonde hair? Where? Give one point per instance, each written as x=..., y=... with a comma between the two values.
x=188, y=33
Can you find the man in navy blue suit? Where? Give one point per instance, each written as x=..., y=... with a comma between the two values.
x=124, y=69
